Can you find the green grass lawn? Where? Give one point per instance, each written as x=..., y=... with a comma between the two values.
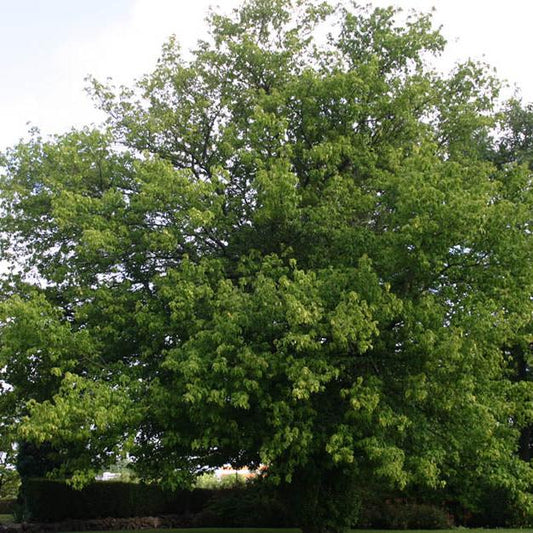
x=212, y=530
x=5, y=518
x=274, y=530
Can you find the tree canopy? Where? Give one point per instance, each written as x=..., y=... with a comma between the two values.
x=303, y=246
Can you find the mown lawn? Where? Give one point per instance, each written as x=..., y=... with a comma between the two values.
x=210, y=530
x=274, y=530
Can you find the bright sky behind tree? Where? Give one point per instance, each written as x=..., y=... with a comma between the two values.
x=50, y=46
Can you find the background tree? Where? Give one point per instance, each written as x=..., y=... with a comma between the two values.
x=285, y=250
x=513, y=149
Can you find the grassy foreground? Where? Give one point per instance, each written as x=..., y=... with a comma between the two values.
x=5, y=518
x=281, y=530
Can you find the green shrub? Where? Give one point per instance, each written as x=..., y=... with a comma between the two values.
x=211, y=482
x=323, y=500
x=255, y=505
x=496, y=507
x=9, y=482
x=51, y=501
x=7, y=506
x=404, y=515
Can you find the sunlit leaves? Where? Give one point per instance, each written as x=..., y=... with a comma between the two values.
x=312, y=252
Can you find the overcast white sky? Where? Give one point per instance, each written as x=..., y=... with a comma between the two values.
x=49, y=46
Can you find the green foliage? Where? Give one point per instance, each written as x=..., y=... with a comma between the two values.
x=404, y=515
x=9, y=483
x=123, y=472
x=321, y=498
x=52, y=501
x=311, y=253
x=256, y=505
x=7, y=506
x=210, y=481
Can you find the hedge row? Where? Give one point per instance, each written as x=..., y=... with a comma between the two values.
x=7, y=506
x=52, y=501
x=404, y=515
x=256, y=505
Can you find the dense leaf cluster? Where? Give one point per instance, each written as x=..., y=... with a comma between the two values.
x=307, y=251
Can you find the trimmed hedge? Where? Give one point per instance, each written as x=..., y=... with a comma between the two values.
x=43, y=500
x=255, y=505
x=405, y=515
x=7, y=506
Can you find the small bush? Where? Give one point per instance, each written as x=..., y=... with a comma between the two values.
x=495, y=508
x=405, y=515
x=211, y=482
x=7, y=506
x=255, y=505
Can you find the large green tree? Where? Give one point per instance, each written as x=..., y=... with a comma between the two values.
x=292, y=249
